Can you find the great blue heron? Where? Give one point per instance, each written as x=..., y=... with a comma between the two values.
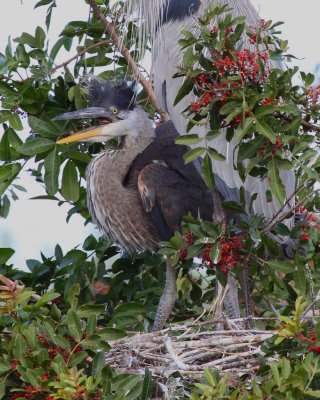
x=139, y=191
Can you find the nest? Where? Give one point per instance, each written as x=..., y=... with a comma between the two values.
x=189, y=349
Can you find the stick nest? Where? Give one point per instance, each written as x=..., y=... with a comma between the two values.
x=189, y=349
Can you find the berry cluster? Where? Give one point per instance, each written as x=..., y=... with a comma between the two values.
x=269, y=148
x=32, y=391
x=313, y=97
x=254, y=37
x=229, y=247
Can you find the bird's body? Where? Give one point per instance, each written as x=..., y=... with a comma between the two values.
x=139, y=191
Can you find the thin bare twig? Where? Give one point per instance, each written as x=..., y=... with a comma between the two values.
x=289, y=199
x=268, y=301
x=269, y=227
x=116, y=41
x=310, y=306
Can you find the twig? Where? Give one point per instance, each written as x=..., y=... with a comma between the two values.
x=116, y=40
x=303, y=122
x=288, y=199
x=268, y=228
x=310, y=306
x=268, y=301
x=80, y=53
x=311, y=284
x=175, y=358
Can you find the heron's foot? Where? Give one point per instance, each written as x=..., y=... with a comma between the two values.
x=167, y=299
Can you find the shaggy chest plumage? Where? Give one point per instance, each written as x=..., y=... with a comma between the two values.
x=116, y=208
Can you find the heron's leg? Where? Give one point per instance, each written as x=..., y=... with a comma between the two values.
x=231, y=301
x=167, y=299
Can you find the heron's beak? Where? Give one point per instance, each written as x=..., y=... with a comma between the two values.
x=92, y=112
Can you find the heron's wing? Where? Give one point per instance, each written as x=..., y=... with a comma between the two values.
x=169, y=197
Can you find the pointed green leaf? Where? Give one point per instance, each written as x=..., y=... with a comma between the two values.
x=281, y=266
x=36, y=145
x=15, y=122
x=70, y=186
x=215, y=155
x=43, y=128
x=188, y=139
x=206, y=168
x=74, y=325
x=185, y=89
x=98, y=364
x=76, y=358
x=52, y=168
x=277, y=187
x=193, y=154
x=241, y=131
x=265, y=130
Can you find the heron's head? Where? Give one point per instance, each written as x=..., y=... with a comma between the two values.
x=113, y=106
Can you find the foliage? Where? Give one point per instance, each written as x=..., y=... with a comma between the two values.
x=275, y=124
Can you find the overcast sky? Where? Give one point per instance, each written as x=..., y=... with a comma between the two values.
x=34, y=226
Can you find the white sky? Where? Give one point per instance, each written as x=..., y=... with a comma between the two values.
x=35, y=225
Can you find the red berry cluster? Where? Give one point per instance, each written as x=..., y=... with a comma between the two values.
x=270, y=148
x=30, y=392
x=229, y=247
x=188, y=239
x=230, y=256
x=245, y=64
x=254, y=36
x=315, y=349
x=313, y=97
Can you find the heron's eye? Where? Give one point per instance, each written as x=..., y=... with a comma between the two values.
x=114, y=111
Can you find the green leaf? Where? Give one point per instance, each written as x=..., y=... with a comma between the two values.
x=241, y=131
x=52, y=168
x=206, y=168
x=5, y=254
x=20, y=348
x=77, y=358
x=15, y=122
x=188, y=139
x=228, y=107
x=70, y=185
x=43, y=128
x=91, y=324
x=73, y=294
x=264, y=110
x=265, y=130
x=4, y=365
x=111, y=333
x=98, y=364
x=147, y=388
x=74, y=325
x=277, y=187
x=215, y=155
x=36, y=145
x=46, y=298
x=131, y=309
x=193, y=154
x=281, y=266
x=185, y=89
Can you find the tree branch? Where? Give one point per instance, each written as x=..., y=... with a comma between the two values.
x=116, y=40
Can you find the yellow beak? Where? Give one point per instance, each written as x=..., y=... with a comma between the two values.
x=85, y=134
